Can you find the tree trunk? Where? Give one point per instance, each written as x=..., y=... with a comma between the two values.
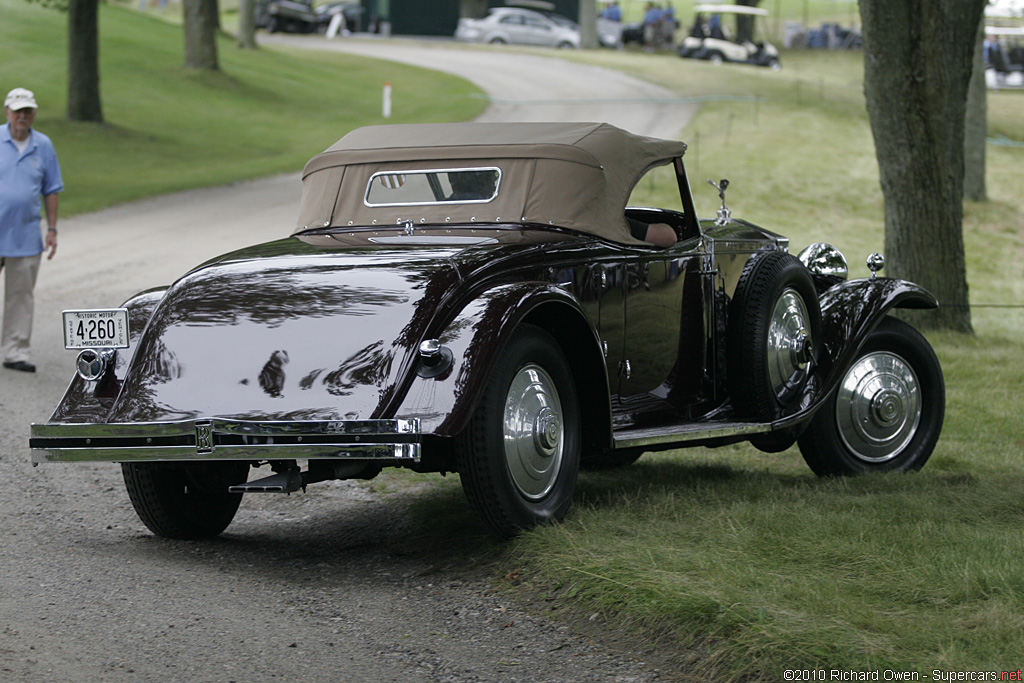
x=247, y=24
x=917, y=66
x=587, y=20
x=976, y=126
x=84, y=61
x=745, y=23
x=472, y=9
x=201, y=34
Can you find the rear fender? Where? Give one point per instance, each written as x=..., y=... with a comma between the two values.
x=85, y=401
x=444, y=404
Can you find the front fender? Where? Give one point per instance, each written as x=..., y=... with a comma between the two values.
x=476, y=336
x=850, y=311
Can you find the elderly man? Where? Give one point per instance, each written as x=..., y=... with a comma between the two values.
x=28, y=171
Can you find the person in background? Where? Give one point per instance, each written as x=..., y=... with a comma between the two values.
x=612, y=12
x=668, y=25
x=28, y=171
x=652, y=26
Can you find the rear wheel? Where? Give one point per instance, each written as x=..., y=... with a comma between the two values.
x=716, y=58
x=887, y=413
x=184, y=500
x=518, y=457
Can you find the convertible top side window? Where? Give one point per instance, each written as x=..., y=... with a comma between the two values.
x=433, y=186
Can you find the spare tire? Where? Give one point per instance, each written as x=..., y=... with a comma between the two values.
x=772, y=335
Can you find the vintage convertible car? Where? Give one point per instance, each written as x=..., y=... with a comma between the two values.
x=475, y=298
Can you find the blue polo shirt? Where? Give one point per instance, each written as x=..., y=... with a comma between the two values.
x=24, y=178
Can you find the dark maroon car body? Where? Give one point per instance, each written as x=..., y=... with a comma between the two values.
x=352, y=345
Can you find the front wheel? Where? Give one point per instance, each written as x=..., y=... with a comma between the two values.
x=886, y=414
x=519, y=456
x=187, y=501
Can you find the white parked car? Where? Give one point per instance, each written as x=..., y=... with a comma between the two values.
x=514, y=26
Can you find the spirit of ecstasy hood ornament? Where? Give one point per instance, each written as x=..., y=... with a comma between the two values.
x=723, y=213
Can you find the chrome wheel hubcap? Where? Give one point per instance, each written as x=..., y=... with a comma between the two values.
x=878, y=408
x=790, y=347
x=533, y=432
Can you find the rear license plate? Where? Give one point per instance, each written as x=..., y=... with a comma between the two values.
x=101, y=328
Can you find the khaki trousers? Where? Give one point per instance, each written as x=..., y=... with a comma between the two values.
x=19, y=303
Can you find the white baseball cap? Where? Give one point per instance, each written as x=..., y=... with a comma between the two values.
x=19, y=98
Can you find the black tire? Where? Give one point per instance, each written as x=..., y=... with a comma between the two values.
x=184, y=500
x=498, y=41
x=773, y=331
x=519, y=467
x=715, y=58
x=887, y=413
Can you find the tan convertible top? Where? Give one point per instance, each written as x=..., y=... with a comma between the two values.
x=574, y=175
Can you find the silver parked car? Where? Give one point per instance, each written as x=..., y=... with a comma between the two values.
x=514, y=26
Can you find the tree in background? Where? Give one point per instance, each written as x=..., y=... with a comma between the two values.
x=473, y=9
x=201, y=24
x=744, y=23
x=84, y=61
x=587, y=20
x=84, y=102
x=247, y=24
x=918, y=57
x=976, y=124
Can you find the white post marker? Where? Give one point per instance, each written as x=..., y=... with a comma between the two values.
x=335, y=25
x=387, y=100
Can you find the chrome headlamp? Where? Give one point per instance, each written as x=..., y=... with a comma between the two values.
x=825, y=260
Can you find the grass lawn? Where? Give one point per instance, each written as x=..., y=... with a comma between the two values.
x=170, y=129
x=736, y=564
x=744, y=564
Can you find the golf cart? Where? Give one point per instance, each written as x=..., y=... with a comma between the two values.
x=1004, y=57
x=711, y=39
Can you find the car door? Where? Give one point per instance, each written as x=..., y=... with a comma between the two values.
x=664, y=325
x=538, y=31
x=667, y=329
x=511, y=27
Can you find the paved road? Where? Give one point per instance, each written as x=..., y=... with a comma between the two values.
x=530, y=87
x=335, y=584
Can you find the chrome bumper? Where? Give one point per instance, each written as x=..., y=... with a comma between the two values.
x=222, y=439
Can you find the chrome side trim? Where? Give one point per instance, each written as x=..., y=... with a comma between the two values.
x=224, y=439
x=636, y=438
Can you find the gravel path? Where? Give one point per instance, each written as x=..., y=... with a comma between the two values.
x=336, y=584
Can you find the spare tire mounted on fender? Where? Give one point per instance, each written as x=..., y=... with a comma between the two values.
x=773, y=335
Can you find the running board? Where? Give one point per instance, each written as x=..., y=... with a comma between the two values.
x=704, y=431
x=282, y=482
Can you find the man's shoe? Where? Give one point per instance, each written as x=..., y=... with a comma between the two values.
x=20, y=365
